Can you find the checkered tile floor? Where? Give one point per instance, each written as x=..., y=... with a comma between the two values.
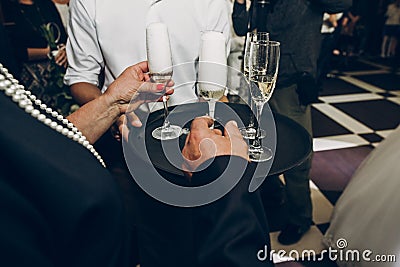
x=358, y=108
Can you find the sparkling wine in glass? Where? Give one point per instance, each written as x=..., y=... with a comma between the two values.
x=264, y=65
x=249, y=131
x=213, y=71
x=211, y=92
x=160, y=71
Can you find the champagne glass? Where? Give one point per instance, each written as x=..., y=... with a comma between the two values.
x=213, y=71
x=263, y=72
x=249, y=131
x=160, y=71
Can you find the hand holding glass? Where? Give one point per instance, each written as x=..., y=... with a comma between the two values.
x=160, y=66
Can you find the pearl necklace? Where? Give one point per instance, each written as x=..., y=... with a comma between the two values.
x=27, y=101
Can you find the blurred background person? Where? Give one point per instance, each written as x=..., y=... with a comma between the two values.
x=296, y=24
x=391, y=30
x=63, y=8
x=39, y=40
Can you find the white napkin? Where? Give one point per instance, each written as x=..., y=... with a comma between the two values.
x=213, y=70
x=158, y=48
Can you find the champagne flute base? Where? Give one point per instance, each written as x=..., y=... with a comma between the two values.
x=260, y=154
x=249, y=132
x=167, y=133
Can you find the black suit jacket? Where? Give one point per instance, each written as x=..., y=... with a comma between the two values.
x=228, y=232
x=58, y=205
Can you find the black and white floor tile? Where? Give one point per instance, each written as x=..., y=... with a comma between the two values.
x=358, y=107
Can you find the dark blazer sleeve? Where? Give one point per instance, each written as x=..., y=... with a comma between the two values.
x=58, y=205
x=231, y=230
x=240, y=18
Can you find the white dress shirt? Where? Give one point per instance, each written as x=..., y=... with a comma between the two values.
x=111, y=35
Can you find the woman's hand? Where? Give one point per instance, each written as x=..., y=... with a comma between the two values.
x=132, y=88
x=61, y=57
x=129, y=90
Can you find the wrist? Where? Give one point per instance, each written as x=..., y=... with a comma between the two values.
x=111, y=105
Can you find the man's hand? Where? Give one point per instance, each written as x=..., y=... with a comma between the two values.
x=204, y=143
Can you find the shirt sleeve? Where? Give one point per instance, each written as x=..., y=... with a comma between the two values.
x=218, y=20
x=85, y=60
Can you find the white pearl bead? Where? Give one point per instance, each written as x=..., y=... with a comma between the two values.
x=59, y=128
x=35, y=113
x=41, y=117
x=76, y=137
x=65, y=131
x=70, y=125
x=3, y=86
x=43, y=106
x=2, y=77
x=49, y=110
x=85, y=143
x=74, y=129
x=82, y=136
x=47, y=121
x=9, y=76
x=23, y=103
x=9, y=92
x=53, y=125
x=7, y=83
x=60, y=118
x=54, y=114
x=65, y=121
x=18, y=91
x=89, y=146
x=14, y=81
x=16, y=98
x=70, y=134
x=38, y=102
x=33, y=98
x=5, y=70
x=29, y=108
x=81, y=140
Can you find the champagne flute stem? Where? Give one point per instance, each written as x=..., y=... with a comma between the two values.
x=211, y=110
x=166, y=123
x=251, y=120
x=259, y=106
